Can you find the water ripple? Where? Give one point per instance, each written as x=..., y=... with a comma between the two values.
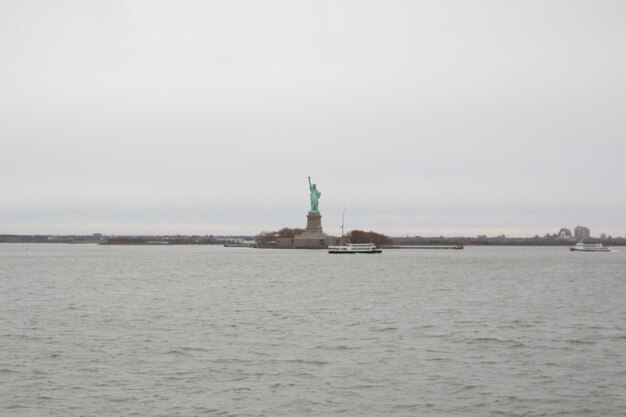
x=177, y=331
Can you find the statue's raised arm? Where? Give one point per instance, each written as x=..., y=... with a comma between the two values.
x=309, y=183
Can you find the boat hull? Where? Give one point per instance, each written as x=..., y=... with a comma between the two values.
x=345, y=252
x=351, y=249
x=589, y=247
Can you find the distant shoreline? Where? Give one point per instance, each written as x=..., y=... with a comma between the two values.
x=242, y=240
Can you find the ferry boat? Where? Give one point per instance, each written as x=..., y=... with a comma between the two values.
x=351, y=248
x=589, y=247
x=355, y=248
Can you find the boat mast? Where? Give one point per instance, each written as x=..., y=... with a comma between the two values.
x=343, y=215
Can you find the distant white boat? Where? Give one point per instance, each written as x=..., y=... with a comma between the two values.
x=589, y=247
x=354, y=248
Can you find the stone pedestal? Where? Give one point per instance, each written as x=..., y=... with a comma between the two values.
x=313, y=222
x=313, y=236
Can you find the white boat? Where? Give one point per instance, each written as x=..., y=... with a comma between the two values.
x=589, y=247
x=352, y=247
x=355, y=248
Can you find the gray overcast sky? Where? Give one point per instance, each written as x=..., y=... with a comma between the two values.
x=422, y=117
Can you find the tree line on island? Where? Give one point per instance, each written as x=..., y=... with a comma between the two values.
x=354, y=236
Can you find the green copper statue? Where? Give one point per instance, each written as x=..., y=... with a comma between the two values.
x=315, y=197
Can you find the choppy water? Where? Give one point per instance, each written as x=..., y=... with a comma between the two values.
x=176, y=331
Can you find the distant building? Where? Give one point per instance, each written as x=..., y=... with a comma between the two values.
x=564, y=234
x=603, y=236
x=581, y=233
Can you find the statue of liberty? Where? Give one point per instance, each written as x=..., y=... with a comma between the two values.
x=315, y=197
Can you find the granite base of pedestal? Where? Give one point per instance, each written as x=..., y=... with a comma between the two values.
x=312, y=238
x=313, y=241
